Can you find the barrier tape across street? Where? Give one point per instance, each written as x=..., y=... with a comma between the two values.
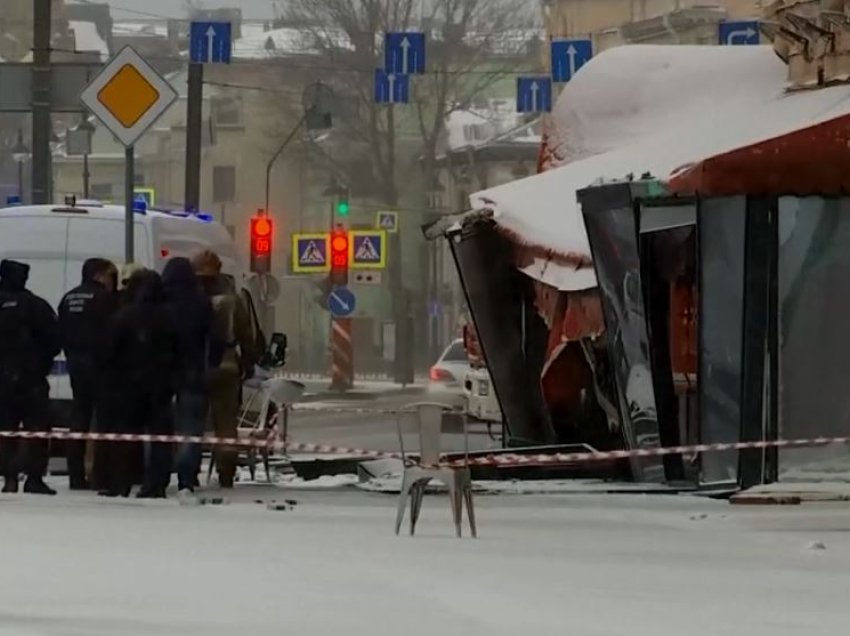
x=272, y=442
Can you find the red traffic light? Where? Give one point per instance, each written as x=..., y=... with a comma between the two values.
x=262, y=232
x=339, y=249
x=262, y=226
x=261, y=235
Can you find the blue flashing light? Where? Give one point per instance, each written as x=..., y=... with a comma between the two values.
x=205, y=217
x=140, y=205
x=13, y=199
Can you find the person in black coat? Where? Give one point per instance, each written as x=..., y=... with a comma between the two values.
x=191, y=311
x=84, y=314
x=29, y=342
x=142, y=360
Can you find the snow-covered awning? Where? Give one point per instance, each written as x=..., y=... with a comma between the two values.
x=658, y=109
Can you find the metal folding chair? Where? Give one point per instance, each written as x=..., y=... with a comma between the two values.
x=277, y=393
x=418, y=473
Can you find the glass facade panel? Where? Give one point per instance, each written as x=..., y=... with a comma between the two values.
x=613, y=236
x=721, y=238
x=814, y=334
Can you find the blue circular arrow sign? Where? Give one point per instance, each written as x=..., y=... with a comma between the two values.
x=341, y=302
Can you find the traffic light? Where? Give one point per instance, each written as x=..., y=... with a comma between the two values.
x=339, y=257
x=262, y=231
x=342, y=205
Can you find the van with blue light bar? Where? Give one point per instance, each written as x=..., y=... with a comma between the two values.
x=55, y=241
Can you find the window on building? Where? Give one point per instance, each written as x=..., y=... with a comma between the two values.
x=101, y=191
x=224, y=184
x=226, y=111
x=139, y=180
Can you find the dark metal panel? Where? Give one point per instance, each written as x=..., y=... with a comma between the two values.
x=500, y=301
x=757, y=269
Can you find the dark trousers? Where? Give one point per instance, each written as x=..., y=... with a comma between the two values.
x=87, y=415
x=190, y=418
x=147, y=412
x=24, y=405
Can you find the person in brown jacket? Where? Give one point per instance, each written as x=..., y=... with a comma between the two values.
x=232, y=356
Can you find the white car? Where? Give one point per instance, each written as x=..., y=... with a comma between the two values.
x=481, y=402
x=448, y=374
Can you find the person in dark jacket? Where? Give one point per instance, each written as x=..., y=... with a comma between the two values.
x=191, y=312
x=29, y=342
x=142, y=360
x=84, y=315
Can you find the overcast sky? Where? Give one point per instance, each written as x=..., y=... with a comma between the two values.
x=133, y=9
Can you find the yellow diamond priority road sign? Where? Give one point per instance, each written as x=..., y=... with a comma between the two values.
x=128, y=96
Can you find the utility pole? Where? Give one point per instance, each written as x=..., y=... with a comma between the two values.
x=194, y=113
x=129, y=220
x=41, y=102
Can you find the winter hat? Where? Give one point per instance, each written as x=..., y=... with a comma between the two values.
x=206, y=263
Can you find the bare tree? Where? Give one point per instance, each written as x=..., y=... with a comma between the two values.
x=471, y=45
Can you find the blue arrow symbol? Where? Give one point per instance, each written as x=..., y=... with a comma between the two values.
x=345, y=306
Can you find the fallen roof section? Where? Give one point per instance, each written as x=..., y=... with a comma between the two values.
x=676, y=112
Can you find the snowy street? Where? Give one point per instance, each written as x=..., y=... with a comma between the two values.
x=583, y=564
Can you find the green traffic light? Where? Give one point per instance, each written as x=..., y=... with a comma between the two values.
x=342, y=208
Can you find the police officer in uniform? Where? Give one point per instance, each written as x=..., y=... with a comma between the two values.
x=29, y=341
x=84, y=319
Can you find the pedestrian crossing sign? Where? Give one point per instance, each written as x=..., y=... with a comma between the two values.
x=310, y=253
x=387, y=221
x=148, y=194
x=368, y=249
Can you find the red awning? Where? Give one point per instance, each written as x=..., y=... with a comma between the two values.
x=809, y=161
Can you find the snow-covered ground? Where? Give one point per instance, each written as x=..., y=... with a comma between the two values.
x=587, y=565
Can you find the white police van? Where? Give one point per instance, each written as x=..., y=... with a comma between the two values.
x=55, y=241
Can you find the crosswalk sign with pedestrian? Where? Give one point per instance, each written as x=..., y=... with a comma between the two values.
x=387, y=221
x=368, y=249
x=310, y=253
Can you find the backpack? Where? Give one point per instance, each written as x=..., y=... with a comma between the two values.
x=222, y=331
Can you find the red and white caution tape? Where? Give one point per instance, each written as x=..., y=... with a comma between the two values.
x=272, y=442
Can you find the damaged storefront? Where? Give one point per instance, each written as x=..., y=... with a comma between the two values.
x=700, y=304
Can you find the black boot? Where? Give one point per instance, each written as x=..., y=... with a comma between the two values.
x=11, y=485
x=151, y=493
x=114, y=492
x=78, y=483
x=36, y=486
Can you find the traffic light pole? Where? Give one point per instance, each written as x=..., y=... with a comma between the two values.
x=194, y=115
x=277, y=154
x=129, y=220
x=41, y=102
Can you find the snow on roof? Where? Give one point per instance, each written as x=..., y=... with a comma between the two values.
x=86, y=38
x=657, y=109
x=158, y=29
x=258, y=44
x=479, y=126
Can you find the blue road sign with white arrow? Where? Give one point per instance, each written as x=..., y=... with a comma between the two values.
x=391, y=88
x=341, y=302
x=534, y=94
x=404, y=53
x=741, y=32
x=568, y=56
x=210, y=42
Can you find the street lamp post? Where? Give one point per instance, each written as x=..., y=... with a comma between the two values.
x=21, y=154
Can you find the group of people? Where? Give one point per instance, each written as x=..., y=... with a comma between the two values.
x=146, y=353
